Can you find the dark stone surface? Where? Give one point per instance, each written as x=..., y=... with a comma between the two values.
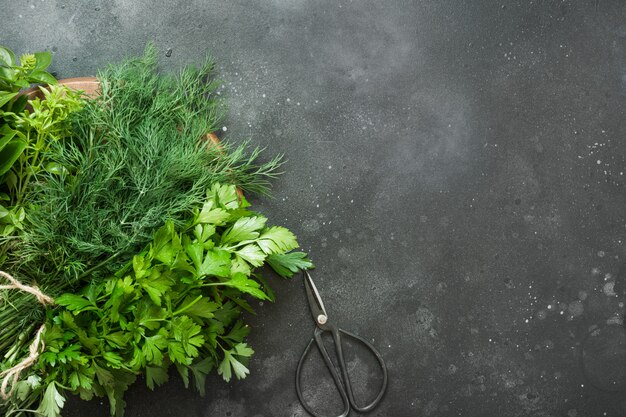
x=455, y=171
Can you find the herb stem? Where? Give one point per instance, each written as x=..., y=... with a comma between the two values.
x=99, y=265
x=187, y=307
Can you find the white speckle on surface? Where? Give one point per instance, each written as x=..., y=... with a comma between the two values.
x=601, y=253
x=598, y=162
x=224, y=128
x=330, y=167
x=263, y=95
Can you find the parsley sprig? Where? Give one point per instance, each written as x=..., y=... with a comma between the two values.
x=178, y=302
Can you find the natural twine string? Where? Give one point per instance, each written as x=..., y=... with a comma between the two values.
x=12, y=375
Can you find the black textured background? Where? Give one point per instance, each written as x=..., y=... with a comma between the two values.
x=455, y=169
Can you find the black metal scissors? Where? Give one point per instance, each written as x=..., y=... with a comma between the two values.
x=341, y=381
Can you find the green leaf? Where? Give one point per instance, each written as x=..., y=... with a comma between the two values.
x=7, y=57
x=114, y=360
x=10, y=153
x=216, y=262
x=213, y=216
x=138, y=360
x=21, y=83
x=149, y=315
x=19, y=105
x=69, y=354
x=75, y=303
x=202, y=309
x=203, y=232
x=277, y=239
x=51, y=402
x=239, y=265
x=183, y=371
x=155, y=376
x=224, y=195
x=195, y=251
x=242, y=349
x=6, y=96
x=41, y=77
x=115, y=392
x=118, y=288
x=156, y=285
x=118, y=339
x=103, y=376
x=224, y=368
x=188, y=333
x=166, y=244
x=245, y=228
x=176, y=352
x=55, y=168
x=140, y=267
x=25, y=386
x=152, y=348
x=200, y=371
x=43, y=60
x=266, y=287
x=227, y=314
x=85, y=395
x=238, y=332
x=9, y=75
x=230, y=361
x=288, y=264
x=3, y=211
x=246, y=285
x=252, y=254
x=240, y=370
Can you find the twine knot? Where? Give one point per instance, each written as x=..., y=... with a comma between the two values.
x=12, y=375
x=16, y=285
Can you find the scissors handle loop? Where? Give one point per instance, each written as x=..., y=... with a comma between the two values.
x=344, y=386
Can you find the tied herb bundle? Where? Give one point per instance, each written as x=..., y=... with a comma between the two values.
x=141, y=258
x=178, y=302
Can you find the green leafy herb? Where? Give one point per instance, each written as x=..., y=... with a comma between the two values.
x=135, y=157
x=182, y=308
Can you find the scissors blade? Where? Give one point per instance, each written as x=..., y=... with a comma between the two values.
x=315, y=301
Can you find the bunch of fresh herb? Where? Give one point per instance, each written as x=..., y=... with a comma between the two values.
x=177, y=303
x=27, y=129
x=15, y=76
x=125, y=225
x=135, y=159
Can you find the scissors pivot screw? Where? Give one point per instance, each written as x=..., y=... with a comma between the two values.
x=321, y=319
